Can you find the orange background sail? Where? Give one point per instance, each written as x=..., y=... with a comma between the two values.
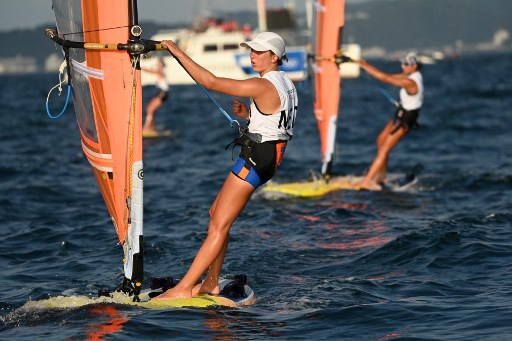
x=330, y=21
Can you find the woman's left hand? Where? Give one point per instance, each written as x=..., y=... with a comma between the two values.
x=240, y=109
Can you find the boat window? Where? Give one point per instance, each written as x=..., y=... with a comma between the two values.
x=210, y=48
x=230, y=47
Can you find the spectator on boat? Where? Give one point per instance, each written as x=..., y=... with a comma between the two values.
x=410, y=81
x=246, y=30
x=273, y=107
x=156, y=102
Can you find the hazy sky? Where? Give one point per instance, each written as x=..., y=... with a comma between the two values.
x=16, y=14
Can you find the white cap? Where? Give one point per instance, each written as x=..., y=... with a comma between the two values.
x=410, y=58
x=267, y=41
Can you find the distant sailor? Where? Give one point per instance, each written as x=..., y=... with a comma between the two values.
x=271, y=115
x=411, y=99
x=157, y=101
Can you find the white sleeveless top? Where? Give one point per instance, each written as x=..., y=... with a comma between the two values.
x=162, y=84
x=278, y=125
x=413, y=102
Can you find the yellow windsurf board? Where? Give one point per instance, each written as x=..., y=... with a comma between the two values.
x=314, y=188
x=158, y=134
x=397, y=182
x=120, y=298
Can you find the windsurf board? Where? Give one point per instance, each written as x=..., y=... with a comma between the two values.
x=318, y=187
x=120, y=298
x=313, y=188
x=158, y=134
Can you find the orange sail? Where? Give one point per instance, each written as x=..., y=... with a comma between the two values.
x=107, y=97
x=329, y=27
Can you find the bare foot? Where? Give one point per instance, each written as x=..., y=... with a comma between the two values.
x=174, y=293
x=381, y=178
x=202, y=288
x=368, y=185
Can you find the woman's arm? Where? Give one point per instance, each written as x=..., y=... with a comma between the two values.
x=261, y=90
x=399, y=79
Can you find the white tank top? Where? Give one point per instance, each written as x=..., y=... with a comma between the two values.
x=278, y=125
x=162, y=84
x=412, y=102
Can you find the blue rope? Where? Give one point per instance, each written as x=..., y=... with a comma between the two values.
x=215, y=102
x=384, y=92
x=63, y=109
x=232, y=121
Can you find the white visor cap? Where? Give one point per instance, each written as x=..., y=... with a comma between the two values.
x=267, y=41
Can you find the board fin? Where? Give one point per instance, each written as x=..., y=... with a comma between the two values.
x=236, y=288
x=409, y=177
x=400, y=182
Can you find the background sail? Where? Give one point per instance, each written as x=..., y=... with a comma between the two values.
x=330, y=22
x=107, y=98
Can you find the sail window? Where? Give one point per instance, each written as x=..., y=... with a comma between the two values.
x=230, y=47
x=210, y=48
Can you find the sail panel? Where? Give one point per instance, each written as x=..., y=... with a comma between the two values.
x=107, y=98
x=329, y=23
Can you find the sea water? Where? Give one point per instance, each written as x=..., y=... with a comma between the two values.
x=431, y=263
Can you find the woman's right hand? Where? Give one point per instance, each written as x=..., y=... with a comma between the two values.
x=170, y=45
x=362, y=62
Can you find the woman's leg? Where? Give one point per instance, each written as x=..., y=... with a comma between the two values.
x=153, y=105
x=231, y=200
x=379, y=165
x=210, y=283
x=380, y=177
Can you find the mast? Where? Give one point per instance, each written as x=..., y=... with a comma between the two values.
x=133, y=15
x=134, y=243
x=262, y=15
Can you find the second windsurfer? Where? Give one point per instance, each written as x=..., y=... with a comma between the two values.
x=411, y=99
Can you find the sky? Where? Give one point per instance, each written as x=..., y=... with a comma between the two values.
x=27, y=14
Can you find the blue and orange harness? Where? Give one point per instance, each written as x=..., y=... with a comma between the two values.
x=258, y=161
